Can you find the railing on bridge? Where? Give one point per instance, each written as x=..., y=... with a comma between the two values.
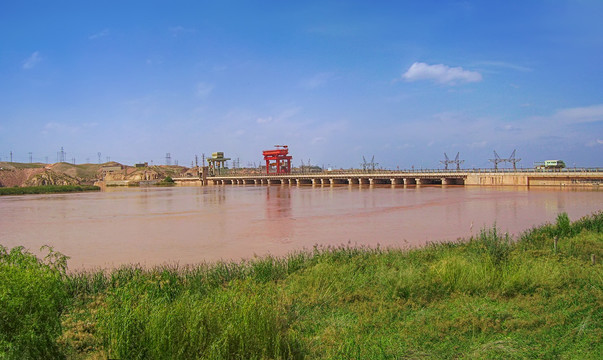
x=237, y=172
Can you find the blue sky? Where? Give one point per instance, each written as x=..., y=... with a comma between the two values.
x=404, y=81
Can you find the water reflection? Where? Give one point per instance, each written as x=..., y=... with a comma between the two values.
x=279, y=213
x=217, y=196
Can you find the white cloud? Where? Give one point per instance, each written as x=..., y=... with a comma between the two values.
x=58, y=127
x=315, y=81
x=581, y=114
x=98, y=35
x=178, y=30
x=31, y=61
x=440, y=73
x=506, y=65
x=477, y=144
x=264, y=120
x=203, y=90
x=594, y=143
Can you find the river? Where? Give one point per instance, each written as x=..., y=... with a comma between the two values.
x=188, y=225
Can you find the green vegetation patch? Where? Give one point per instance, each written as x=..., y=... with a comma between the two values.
x=488, y=297
x=32, y=297
x=47, y=189
x=168, y=181
x=15, y=165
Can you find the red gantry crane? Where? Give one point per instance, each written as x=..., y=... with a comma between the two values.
x=278, y=161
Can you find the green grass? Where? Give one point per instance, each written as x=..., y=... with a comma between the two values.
x=46, y=189
x=16, y=165
x=488, y=297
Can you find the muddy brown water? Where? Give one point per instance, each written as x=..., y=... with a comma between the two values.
x=188, y=225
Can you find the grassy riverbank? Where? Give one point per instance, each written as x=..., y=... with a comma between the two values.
x=46, y=189
x=487, y=297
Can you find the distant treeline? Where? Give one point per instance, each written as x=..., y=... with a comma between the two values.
x=47, y=189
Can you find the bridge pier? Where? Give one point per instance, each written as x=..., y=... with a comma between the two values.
x=409, y=181
x=418, y=181
x=371, y=181
x=394, y=181
x=445, y=181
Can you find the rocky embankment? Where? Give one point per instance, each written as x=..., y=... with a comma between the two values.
x=17, y=177
x=19, y=174
x=49, y=177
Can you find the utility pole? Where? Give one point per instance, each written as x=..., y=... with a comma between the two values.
x=99, y=157
x=11, y=156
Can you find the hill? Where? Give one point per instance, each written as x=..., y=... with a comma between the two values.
x=36, y=174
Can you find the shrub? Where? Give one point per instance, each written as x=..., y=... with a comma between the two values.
x=497, y=247
x=564, y=228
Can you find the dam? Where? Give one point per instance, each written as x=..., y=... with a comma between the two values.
x=478, y=177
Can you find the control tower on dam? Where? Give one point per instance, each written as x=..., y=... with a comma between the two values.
x=478, y=177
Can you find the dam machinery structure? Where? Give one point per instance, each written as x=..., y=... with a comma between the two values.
x=278, y=161
x=216, y=163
